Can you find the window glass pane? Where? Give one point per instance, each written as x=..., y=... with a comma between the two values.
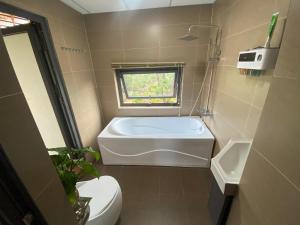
x=150, y=85
x=8, y=20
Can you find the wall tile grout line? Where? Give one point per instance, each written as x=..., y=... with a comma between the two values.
x=44, y=188
x=251, y=29
x=285, y=77
x=11, y=95
x=94, y=76
x=277, y=169
x=238, y=99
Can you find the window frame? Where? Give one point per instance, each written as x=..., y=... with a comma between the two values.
x=177, y=85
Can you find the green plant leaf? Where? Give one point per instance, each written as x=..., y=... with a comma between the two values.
x=72, y=196
x=69, y=180
x=66, y=160
x=88, y=168
x=94, y=153
x=59, y=159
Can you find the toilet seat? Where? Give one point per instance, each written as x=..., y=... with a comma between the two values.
x=106, y=198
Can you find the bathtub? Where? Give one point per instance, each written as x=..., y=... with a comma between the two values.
x=156, y=141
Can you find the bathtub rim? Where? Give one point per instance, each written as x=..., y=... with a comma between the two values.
x=206, y=135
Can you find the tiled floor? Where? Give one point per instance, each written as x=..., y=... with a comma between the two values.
x=162, y=195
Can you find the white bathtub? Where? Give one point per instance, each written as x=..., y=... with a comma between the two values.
x=158, y=141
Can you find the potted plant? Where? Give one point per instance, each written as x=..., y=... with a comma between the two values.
x=71, y=166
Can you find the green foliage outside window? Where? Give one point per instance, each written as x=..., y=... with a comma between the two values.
x=149, y=88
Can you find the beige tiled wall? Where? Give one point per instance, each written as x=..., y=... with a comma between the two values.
x=68, y=30
x=23, y=145
x=270, y=186
x=147, y=35
x=237, y=100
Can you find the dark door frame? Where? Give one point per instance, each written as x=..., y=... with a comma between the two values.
x=16, y=205
x=51, y=72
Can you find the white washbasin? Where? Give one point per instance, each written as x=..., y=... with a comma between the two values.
x=228, y=165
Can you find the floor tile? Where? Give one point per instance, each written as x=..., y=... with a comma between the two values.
x=170, y=180
x=162, y=195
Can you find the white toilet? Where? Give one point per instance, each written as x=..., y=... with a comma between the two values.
x=106, y=203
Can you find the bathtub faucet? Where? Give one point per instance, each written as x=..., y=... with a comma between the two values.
x=205, y=112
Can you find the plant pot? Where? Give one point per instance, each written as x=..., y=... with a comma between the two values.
x=81, y=206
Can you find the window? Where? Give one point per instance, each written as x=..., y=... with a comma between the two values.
x=8, y=20
x=149, y=86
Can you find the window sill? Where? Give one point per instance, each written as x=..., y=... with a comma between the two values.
x=149, y=107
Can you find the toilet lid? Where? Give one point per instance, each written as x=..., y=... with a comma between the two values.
x=102, y=191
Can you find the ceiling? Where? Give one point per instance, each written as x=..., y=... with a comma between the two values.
x=100, y=6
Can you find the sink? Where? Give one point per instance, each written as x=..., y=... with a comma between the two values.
x=228, y=165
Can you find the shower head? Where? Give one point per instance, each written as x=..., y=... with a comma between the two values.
x=188, y=37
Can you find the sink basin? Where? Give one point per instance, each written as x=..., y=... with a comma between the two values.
x=227, y=166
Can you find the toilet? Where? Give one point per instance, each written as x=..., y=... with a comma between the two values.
x=106, y=202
